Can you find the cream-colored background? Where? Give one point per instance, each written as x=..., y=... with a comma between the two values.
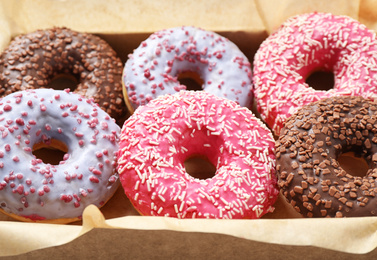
x=124, y=24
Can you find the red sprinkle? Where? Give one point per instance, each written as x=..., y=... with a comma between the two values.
x=7, y=108
x=94, y=179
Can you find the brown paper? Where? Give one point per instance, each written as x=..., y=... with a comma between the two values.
x=124, y=24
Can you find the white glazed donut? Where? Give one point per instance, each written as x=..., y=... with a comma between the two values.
x=31, y=190
x=155, y=66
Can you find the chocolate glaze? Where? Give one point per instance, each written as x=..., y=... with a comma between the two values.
x=33, y=60
x=307, y=150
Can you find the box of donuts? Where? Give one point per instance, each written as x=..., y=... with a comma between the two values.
x=212, y=129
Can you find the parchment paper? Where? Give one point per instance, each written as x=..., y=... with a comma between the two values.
x=368, y=13
x=5, y=30
x=17, y=238
x=124, y=24
x=274, y=13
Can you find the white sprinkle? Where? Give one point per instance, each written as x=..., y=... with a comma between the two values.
x=153, y=142
x=224, y=201
x=137, y=185
x=161, y=197
x=182, y=205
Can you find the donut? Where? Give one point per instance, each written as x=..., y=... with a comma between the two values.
x=214, y=62
x=34, y=191
x=307, y=158
x=35, y=59
x=160, y=136
x=305, y=44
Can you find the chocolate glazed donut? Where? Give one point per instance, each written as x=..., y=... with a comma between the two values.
x=307, y=153
x=33, y=60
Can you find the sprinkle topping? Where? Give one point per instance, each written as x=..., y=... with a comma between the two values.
x=307, y=43
x=44, y=54
x=307, y=153
x=158, y=138
x=155, y=66
x=41, y=191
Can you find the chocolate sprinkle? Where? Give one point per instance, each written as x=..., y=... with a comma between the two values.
x=33, y=60
x=315, y=182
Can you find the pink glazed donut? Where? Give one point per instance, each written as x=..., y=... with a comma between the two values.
x=305, y=44
x=213, y=61
x=32, y=190
x=157, y=139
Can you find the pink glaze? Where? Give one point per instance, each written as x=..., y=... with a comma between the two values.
x=307, y=43
x=157, y=139
x=87, y=174
x=153, y=69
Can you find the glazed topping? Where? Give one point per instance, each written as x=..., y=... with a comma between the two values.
x=86, y=175
x=154, y=67
x=33, y=60
x=159, y=137
x=305, y=44
x=307, y=152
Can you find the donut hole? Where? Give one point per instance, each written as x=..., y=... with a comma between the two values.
x=198, y=166
x=354, y=163
x=63, y=81
x=191, y=80
x=321, y=80
x=51, y=152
